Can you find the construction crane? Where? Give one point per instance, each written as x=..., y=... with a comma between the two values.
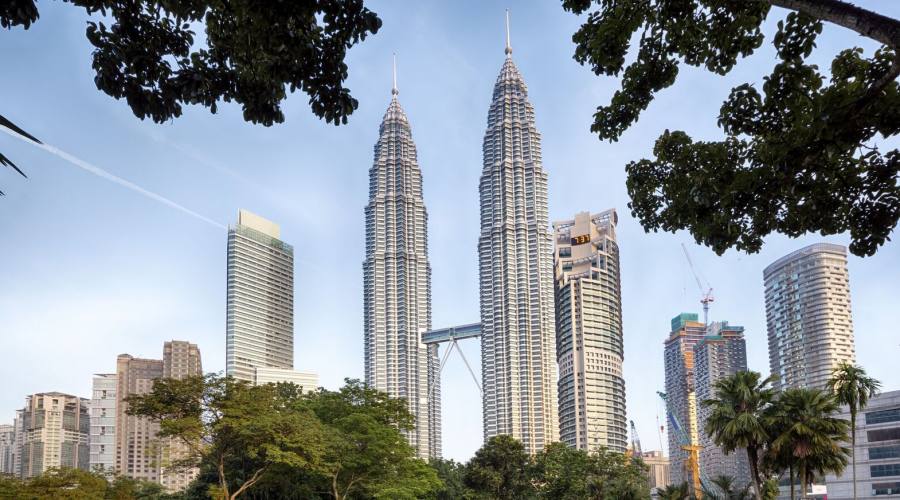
x=635, y=441
x=692, y=465
x=706, y=295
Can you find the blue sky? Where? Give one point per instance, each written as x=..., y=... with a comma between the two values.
x=91, y=270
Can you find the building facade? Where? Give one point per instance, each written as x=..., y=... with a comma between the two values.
x=589, y=342
x=259, y=326
x=180, y=359
x=308, y=381
x=7, y=448
x=877, y=452
x=808, y=315
x=515, y=260
x=720, y=354
x=103, y=424
x=397, y=282
x=681, y=398
x=137, y=453
x=658, y=474
x=56, y=427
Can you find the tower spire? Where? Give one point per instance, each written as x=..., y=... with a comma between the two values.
x=394, y=90
x=508, y=46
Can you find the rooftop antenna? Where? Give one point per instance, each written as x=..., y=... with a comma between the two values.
x=508, y=46
x=394, y=90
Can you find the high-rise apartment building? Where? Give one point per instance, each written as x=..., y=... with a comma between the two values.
x=589, y=344
x=681, y=398
x=55, y=433
x=515, y=260
x=180, y=359
x=397, y=282
x=139, y=454
x=808, y=315
x=259, y=327
x=19, y=436
x=103, y=424
x=720, y=354
x=7, y=448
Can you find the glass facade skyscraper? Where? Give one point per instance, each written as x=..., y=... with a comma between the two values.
x=259, y=327
x=515, y=257
x=397, y=282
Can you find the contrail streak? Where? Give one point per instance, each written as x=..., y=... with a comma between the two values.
x=111, y=177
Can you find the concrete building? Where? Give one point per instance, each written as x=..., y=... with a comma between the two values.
x=7, y=448
x=681, y=397
x=103, y=424
x=139, y=453
x=721, y=353
x=808, y=315
x=658, y=474
x=877, y=452
x=397, y=282
x=19, y=436
x=589, y=343
x=308, y=381
x=180, y=359
x=259, y=326
x=55, y=427
x=515, y=260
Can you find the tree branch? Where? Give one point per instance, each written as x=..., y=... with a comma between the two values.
x=865, y=22
x=248, y=483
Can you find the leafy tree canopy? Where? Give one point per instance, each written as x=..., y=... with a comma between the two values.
x=561, y=472
x=500, y=470
x=799, y=154
x=148, y=53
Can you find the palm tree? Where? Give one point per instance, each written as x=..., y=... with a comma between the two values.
x=736, y=417
x=725, y=485
x=675, y=492
x=810, y=434
x=852, y=387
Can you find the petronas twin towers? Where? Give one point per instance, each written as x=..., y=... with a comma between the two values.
x=518, y=353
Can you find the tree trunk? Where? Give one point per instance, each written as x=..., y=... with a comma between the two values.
x=754, y=472
x=865, y=22
x=853, y=446
x=791, y=472
x=802, y=482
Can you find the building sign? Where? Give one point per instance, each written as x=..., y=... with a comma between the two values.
x=581, y=239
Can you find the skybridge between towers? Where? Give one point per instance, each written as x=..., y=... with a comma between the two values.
x=452, y=335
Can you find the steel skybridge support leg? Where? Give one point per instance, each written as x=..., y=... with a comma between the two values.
x=441, y=368
x=474, y=378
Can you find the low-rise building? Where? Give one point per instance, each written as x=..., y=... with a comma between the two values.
x=877, y=452
x=658, y=473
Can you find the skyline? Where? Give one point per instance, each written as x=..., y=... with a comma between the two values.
x=139, y=258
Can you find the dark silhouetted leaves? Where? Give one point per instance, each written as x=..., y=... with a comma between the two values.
x=799, y=154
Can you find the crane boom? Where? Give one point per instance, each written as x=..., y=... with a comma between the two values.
x=635, y=441
x=706, y=295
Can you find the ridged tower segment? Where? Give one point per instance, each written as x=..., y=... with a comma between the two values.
x=397, y=282
x=518, y=351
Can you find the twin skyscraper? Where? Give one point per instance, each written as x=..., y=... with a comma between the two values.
x=516, y=270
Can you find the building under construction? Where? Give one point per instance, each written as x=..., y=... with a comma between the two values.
x=681, y=399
